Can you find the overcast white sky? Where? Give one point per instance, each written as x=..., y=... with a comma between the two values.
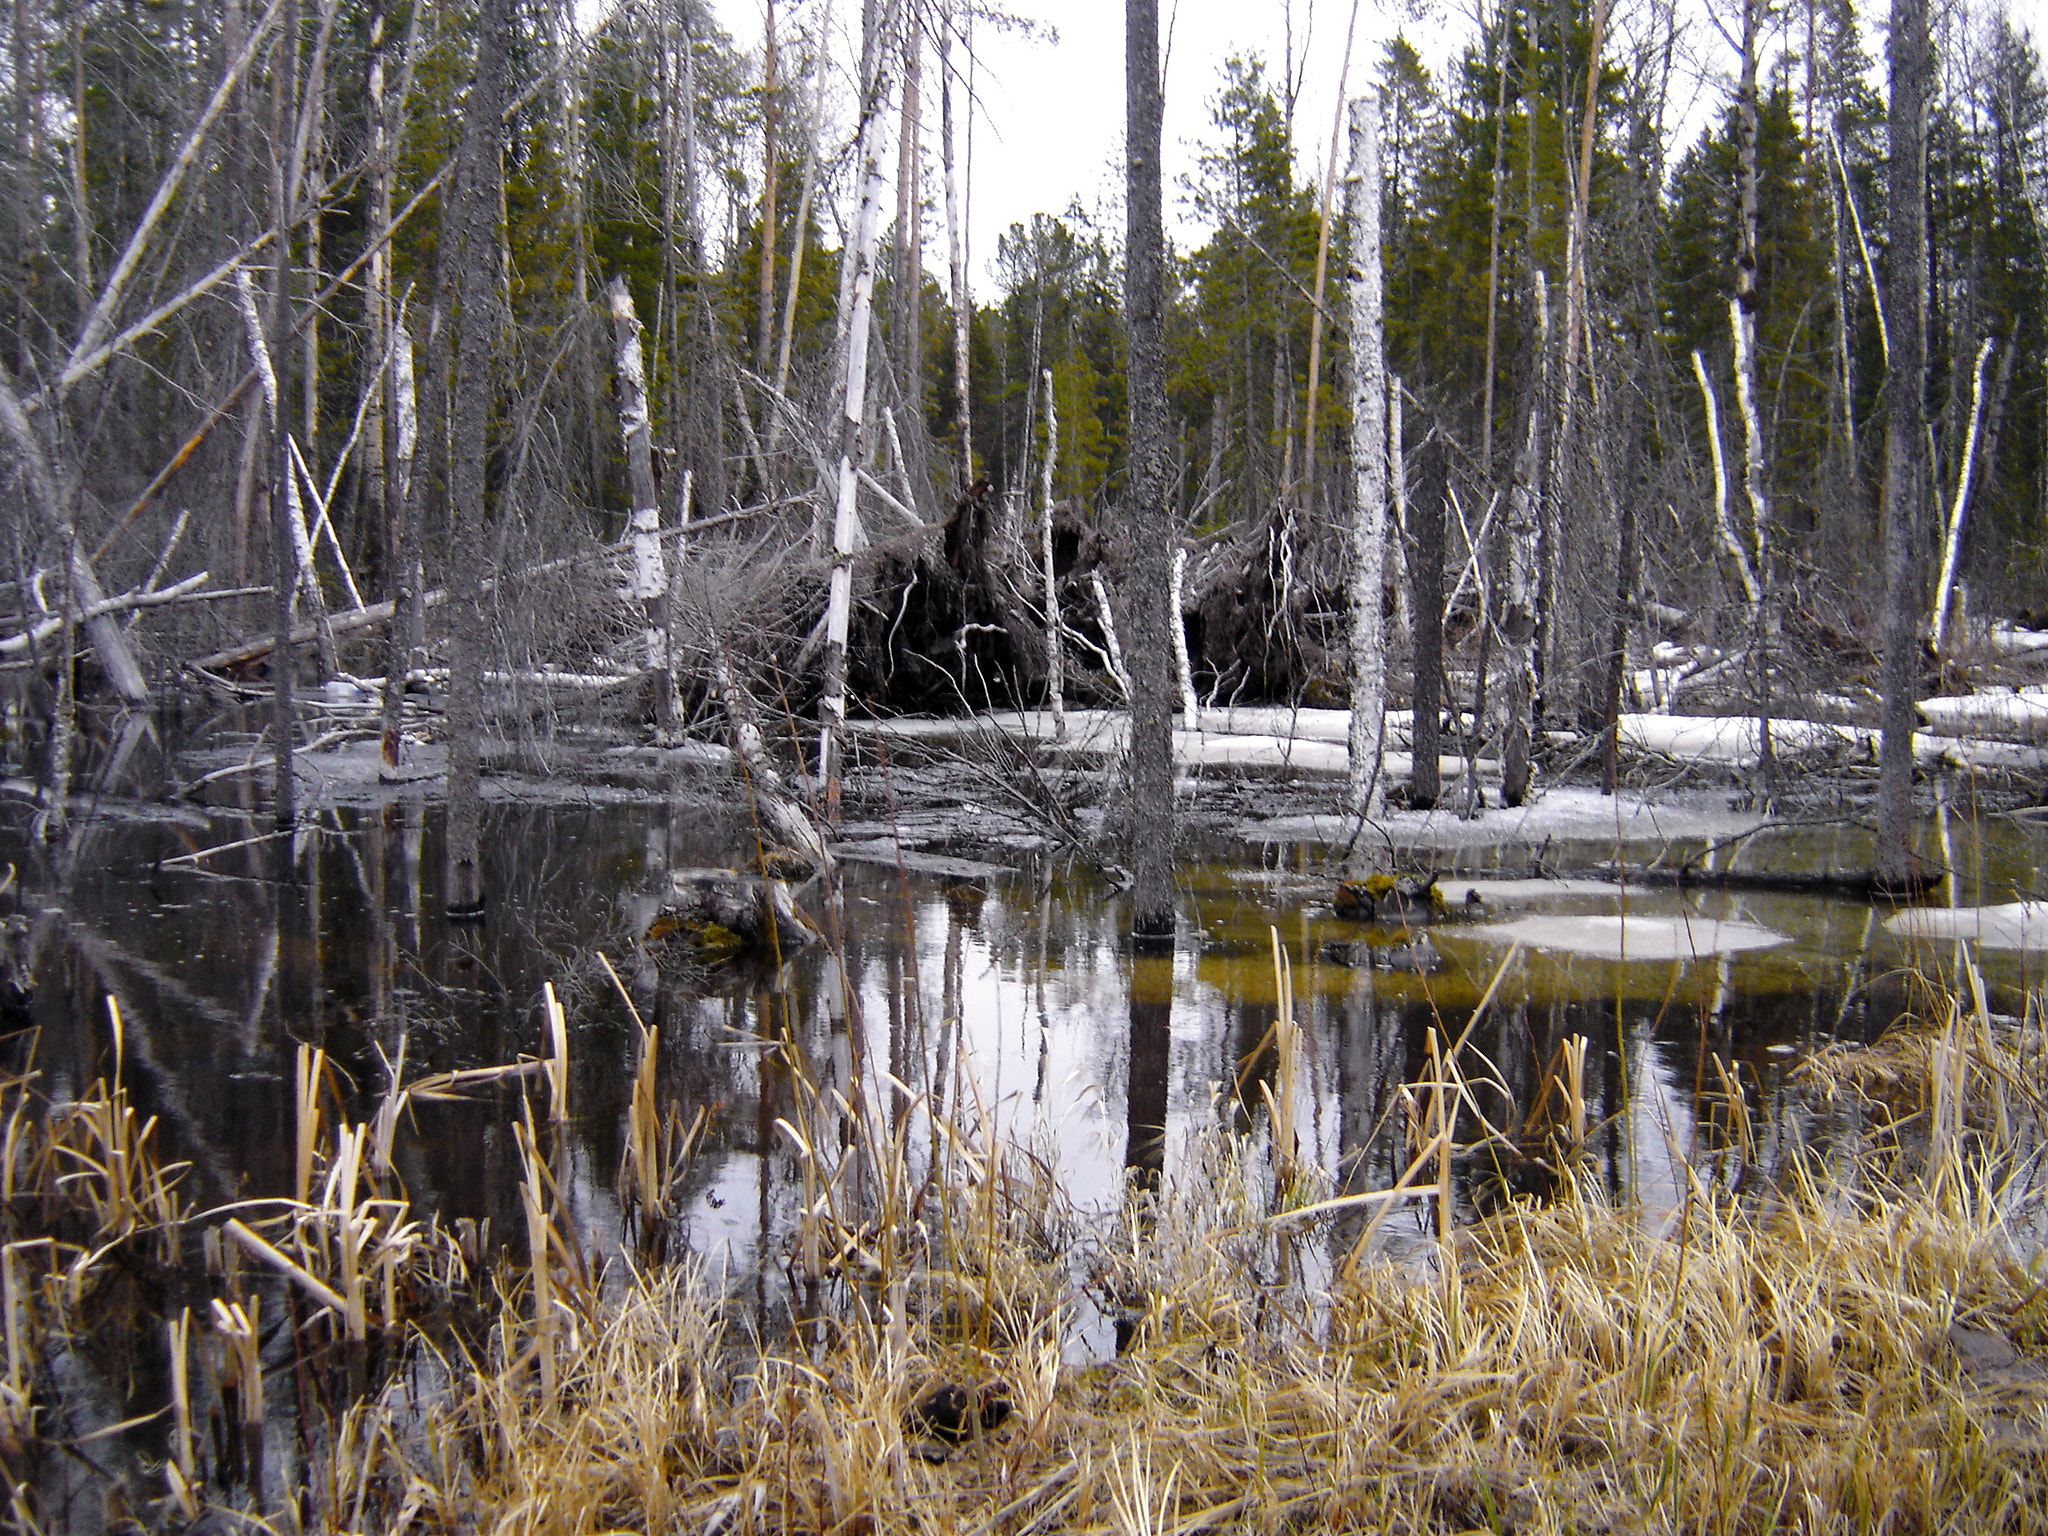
x=1048, y=124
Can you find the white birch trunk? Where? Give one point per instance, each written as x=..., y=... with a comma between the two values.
x=408, y=571
x=301, y=553
x=646, y=580
x=1190, y=706
x=853, y=395
x=1055, y=645
x=1952, y=543
x=1369, y=465
x=1724, y=527
x=1112, y=647
x=1743, y=325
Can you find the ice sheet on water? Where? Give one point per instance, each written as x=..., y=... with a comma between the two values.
x=2014, y=925
x=1632, y=937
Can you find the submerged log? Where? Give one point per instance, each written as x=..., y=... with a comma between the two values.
x=1848, y=885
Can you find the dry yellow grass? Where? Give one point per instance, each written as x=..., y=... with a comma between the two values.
x=1831, y=1358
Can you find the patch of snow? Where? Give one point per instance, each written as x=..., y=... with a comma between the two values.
x=1630, y=937
x=1561, y=814
x=2011, y=714
x=2015, y=925
x=1732, y=738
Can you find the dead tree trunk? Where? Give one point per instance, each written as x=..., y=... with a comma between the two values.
x=1905, y=386
x=956, y=256
x=1426, y=552
x=649, y=586
x=1369, y=468
x=1151, y=522
x=1742, y=318
x=1518, y=617
x=1055, y=639
x=473, y=247
x=1952, y=542
x=855, y=326
x=408, y=577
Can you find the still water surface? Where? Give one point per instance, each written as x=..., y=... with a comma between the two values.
x=1008, y=1002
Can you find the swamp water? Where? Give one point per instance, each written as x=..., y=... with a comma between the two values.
x=965, y=1000
x=1001, y=996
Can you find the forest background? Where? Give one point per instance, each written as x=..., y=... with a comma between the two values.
x=358, y=288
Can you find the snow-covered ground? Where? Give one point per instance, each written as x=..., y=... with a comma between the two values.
x=1314, y=740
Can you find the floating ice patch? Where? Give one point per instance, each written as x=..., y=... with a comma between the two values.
x=2016, y=925
x=1632, y=937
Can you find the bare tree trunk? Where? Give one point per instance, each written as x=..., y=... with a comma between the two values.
x=473, y=246
x=1905, y=471
x=956, y=258
x=1150, y=515
x=1055, y=643
x=374, y=472
x=1724, y=525
x=294, y=551
x=1952, y=544
x=1368, y=467
x=1112, y=645
x=858, y=321
x=771, y=151
x=1183, y=666
x=1518, y=616
x=1500, y=129
x=907, y=282
x=796, y=249
x=1402, y=637
x=287, y=522
x=1742, y=319
x=1426, y=552
x=649, y=585
x=1315, y=314
x=408, y=578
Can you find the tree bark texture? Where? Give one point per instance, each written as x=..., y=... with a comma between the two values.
x=1426, y=554
x=1906, y=433
x=408, y=575
x=1518, y=615
x=649, y=580
x=1149, y=517
x=1368, y=467
x=1055, y=639
x=472, y=244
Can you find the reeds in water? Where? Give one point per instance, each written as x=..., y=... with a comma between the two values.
x=1810, y=1361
